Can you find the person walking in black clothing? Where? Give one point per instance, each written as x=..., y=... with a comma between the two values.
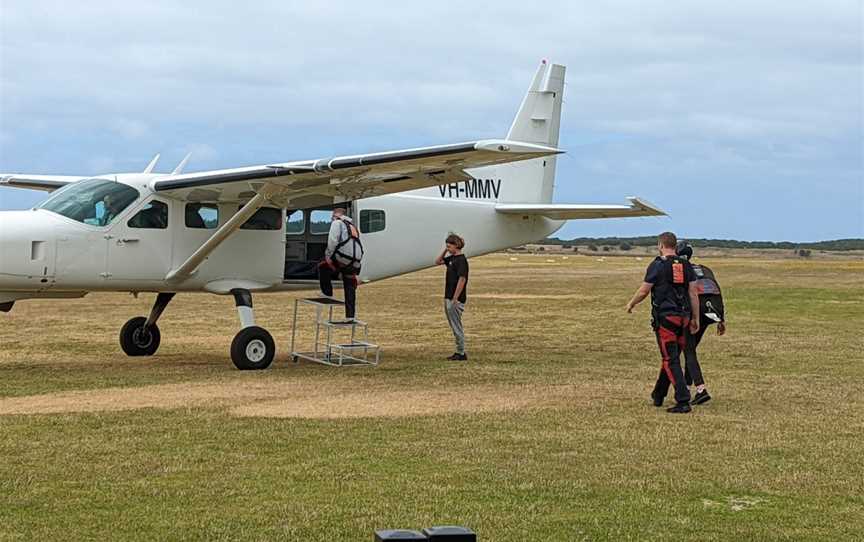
x=674, y=307
x=711, y=311
x=455, y=290
x=343, y=256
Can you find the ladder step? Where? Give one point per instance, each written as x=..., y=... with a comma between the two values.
x=342, y=323
x=356, y=344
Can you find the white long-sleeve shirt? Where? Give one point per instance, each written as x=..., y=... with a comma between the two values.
x=338, y=233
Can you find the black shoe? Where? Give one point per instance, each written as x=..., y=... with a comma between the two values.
x=680, y=408
x=701, y=397
x=458, y=357
x=658, y=401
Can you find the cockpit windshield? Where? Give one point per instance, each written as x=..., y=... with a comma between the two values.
x=92, y=201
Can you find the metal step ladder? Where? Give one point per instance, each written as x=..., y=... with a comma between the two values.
x=338, y=343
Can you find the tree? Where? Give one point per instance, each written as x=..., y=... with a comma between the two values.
x=625, y=246
x=592, y=248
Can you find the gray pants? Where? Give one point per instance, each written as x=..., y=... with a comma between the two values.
x=454, y=318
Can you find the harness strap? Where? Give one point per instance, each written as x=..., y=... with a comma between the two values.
x=353, y=236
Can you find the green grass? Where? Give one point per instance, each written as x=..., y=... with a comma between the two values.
x=778, y=455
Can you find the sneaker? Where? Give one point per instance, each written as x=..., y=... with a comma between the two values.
x=458, y=357
x=700, y=398
x=658, y=401
x=680, y=408
x=345, y=322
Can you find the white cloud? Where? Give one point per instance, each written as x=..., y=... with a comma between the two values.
x=697, y=87
x=129, y=128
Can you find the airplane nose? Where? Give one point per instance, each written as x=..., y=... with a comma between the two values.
x=26, y=250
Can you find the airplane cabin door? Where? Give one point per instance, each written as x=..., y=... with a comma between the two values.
x=139, y=248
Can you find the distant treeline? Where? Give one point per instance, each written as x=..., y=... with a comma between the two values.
x=650, y=241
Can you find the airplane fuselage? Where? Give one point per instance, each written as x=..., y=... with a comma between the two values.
x=45, y=254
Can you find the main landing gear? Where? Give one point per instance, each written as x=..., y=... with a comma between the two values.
x=252, y=348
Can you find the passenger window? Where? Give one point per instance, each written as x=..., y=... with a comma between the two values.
x=295, y=223
x=202, y=216
x=372, y=220
x=154, y=216
x=319, y=222
x=265, y=218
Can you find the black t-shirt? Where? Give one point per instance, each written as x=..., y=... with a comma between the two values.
x=668, y=295
x=457, y=266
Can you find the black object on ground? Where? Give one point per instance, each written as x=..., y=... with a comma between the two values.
x=450, y=533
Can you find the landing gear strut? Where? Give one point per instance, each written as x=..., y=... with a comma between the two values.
x=140, y=336
x=253, y=347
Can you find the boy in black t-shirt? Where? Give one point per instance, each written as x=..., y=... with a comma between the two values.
x=674, y=307
x=455, y=290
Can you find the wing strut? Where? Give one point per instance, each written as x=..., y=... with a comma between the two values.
x=188, y=268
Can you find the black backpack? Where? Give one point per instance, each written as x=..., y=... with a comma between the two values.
x=710, y=296
x=670, y=293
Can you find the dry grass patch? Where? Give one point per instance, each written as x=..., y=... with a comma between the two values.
x=406, y=403
x=291, y=399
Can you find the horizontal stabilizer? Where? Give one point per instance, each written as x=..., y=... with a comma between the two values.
x=570, y=211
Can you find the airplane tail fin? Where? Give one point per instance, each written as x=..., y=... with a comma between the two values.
x=539, y=117
x=537, y=121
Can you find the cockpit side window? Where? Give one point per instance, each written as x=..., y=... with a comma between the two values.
x=153, y=216
x=96, y=202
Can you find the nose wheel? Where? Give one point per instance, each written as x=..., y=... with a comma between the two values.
x=137, y=339
x=140, y=336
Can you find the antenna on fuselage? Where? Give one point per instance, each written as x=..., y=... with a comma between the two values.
x=179, y=169
x=151, y=165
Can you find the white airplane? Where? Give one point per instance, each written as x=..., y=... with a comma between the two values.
x=264, y=228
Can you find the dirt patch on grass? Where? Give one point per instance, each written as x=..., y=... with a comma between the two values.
x=289, y=400
x=116, y=399
x=397, y=404
x=530, y=296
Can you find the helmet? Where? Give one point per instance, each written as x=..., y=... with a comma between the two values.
x=684, y=250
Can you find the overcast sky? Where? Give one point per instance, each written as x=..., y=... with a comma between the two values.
x=742, y=119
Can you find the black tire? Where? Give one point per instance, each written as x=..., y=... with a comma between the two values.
x=252, y=349
x=136, y=341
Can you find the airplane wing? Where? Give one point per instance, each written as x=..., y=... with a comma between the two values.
x=338, y=179
x=566, y=211
x=349, y=177
x=48, y=183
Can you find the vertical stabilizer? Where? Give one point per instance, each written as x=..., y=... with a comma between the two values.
x=539, y=117
x=537, y=121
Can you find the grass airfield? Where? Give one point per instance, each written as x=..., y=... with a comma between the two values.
x=546, y=434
